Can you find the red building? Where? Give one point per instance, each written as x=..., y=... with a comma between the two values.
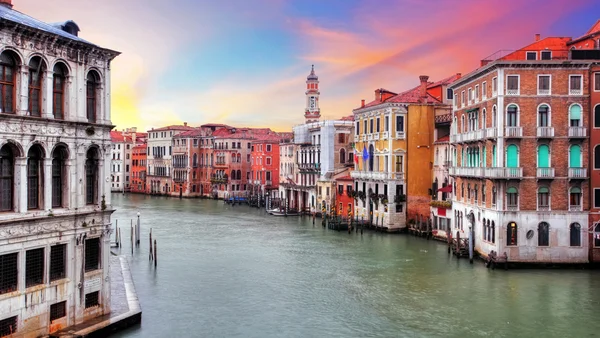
x=344, y=203
x=264, y=162
x=138, y=168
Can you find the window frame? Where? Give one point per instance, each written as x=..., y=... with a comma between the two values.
x=518, y=90
x=529, y=52
x=549, y=84
x=494, y=86
x=542, y=55
x=596, y=81
x=571, y=227
x=484, y=90
x=543, y=237
x=580, y=84
x=39, y=88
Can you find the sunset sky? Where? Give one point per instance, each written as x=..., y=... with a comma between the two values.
x=244, y=63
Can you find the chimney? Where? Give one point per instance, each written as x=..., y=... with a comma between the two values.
x=378, y=95
x=185, y=124
x=7, y=3
x=362, y=103
x=458, y=75
x=537, y=37
x=423, y=79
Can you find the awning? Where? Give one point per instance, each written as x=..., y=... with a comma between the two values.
x=472, y=110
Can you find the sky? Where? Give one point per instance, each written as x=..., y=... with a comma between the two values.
x=245, y=63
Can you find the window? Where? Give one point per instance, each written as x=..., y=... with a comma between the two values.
x=8, y=326
x=575, y=199
x=575, y=234
x=8, y=273
x=597, y=235
x=596, y=197
x=449, y=94
x=546, y=55
x=597, y=116
x=34, y=267
x=477, y=93
x=34, y=177
x=493, y=196
x=597, y=157
x=91, y=96
x=543, y=116
x=399, y=164
x=512, y=116
x=596, y=82
x=484, y=90
x=58, y=91
x=357, y=128
x=58, y=310
x=512, y=198
x=36, y=71
x=342, y=155
x=543, y=85
x=575, y=156
x=378, y=125
x=512, y=85
x=268, y=161
x=268, y=147
x=91, y=299
x=91, y=176
x=463, y=98
x=7, y=82
x=92, y=254
x=494, y=86
x=543, y=234
x=7, y=156
x=512, y=156
x=58, y=257
x=470, y=95
x=399, y=124
x=371, y=126
x=531, y=55
x=543, y=156
x=575, y=85
x=575, y=116
x=511, y=233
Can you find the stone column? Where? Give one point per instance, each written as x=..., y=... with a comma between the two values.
x=70, y=109
x=47, y=183
x=70, y=184
x=21, y=103
x=101, y=182
x=47, y=90
x=21, y=184
x=79, y=175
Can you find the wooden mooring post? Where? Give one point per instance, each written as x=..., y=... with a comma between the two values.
x=155, y=254
x=150, y=257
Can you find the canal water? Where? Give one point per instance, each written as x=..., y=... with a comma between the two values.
x=228, y=271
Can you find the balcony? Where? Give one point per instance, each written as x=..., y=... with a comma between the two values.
x=577, y=173
x=385, y=135
x=370, y=137
x=399, y=134
x=454, y=138
x=504, y=172
x=491, y=132
x=575, y=92
x=376, y=175
x=543, y=92
x=376, y=136
x=545, y=132
x=545, y=173
x=575, y=208
x=512, y=92
x=514, y=132
x=467, y=171
x=577, y=132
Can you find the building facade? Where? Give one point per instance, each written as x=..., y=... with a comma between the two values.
x=441, y=198
x=55, y=153
x=521, y=146
x=138, y=168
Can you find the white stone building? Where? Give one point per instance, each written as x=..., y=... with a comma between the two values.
x=55, y=202
x=122, y=153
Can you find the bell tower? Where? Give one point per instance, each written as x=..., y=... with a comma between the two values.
x=312, y=113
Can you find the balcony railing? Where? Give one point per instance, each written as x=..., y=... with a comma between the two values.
x=575, y=92
x=467, y=171
x=504, y=172
x=577, y=132
x=514, y=132
x=377, y=175
x=575, y=208
x=454, y=138
x=544, y=92
x=385, y=135
x=545, y=173
x=577, y=173
x=399, y=134
x=512, y=91
x=546, y=132
x=491, y=132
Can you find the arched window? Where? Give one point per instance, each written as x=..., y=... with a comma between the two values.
x=512, y=198
x=512, y=116
x=512, y=156
x=597, y=157
x=511, y=233
x=543, y=156
x=575, y=199
x=575, y=234
x=91, y=176
x=233, y=177
x=494, y=164
x=350, y=157
x=58, y=91
x=34, y=177
x=543, y=198
x=195, y=160
x=483, y=119
x=597, y=235
x=239, y=158
x=91, y=96
x=597, y=116
x=371, y=157
x=59, y=174
x=575, y=116
x=575, y=156
x=7, y=166
x=36, y=75
x=7, y=82
x=342, y=155
x=494, y=116
x=543, y=116
x=239, y=174
x=493, y=232
x=543, y=234
x=485, y=230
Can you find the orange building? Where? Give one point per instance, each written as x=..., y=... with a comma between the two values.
x=138, y=168
x=343, y=201
x=264, y=162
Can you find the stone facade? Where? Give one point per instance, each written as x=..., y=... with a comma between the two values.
x=55, y=153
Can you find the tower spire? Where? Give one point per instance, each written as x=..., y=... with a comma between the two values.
x=312, y=113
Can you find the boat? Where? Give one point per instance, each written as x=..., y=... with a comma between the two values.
x=279, y=212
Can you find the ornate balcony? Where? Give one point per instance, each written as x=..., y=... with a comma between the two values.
x=577, y=173
x=514, y=132
x=545, y=132
x=575, y=92
x=467, y=171
x=545, y=173
x=504, y=172
x=385, y=135
x=491, y=132
x=399, y=134
x=577, y=132
x=377, y=175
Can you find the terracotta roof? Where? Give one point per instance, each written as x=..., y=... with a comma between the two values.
x=241, y=133
x=173, y=127
x=116, y=137
x=445, y=81
x=345, y=178
x=443, y=139
x=595, y=28
x=192, y=133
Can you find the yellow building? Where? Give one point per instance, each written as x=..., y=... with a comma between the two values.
x=394, y=135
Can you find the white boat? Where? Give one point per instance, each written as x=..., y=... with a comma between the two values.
x=278, y=212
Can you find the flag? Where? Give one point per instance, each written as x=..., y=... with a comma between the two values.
x=355, y=153
x=447, y=188
x=365, y=153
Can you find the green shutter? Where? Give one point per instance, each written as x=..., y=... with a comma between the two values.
x=543, y=156
x=575, y=190
x=543, y=190
x=575, y=156
x=493, y=156
x=511, y=190
x=512, y=156
x=575, y=112
x=484, y=158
